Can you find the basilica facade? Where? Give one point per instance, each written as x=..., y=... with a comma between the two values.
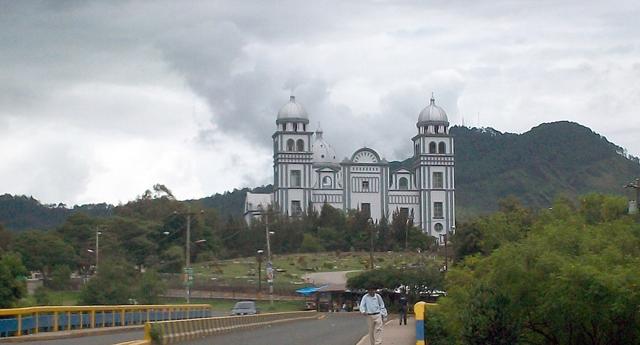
x=308, y=174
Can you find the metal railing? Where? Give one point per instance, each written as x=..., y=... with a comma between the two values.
x=33, y=320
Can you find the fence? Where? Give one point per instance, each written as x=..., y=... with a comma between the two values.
x=33, y=320
x=167, y=332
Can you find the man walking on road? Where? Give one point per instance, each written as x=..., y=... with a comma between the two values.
x=372, y=305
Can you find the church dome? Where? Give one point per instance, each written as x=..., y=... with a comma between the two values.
x=292, y=111
x=323, y=153
x=432, y=115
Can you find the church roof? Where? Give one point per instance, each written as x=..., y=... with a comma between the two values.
x=323, y=152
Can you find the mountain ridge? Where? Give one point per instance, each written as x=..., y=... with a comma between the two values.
x=551, y=159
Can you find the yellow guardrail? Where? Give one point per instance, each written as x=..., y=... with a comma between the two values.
x=32, y=320
x=167, y=332
x=420, y=310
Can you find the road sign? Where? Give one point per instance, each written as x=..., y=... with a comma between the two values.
x=188, y=276
x=269, y=272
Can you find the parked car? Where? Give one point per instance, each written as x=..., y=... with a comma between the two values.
x=310, y=305
x=245, y=308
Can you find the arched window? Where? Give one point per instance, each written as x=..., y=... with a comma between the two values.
x=438, y=227
x=290, y=145
x=403, y=183
x=417, y=149
x=300, y=145
x=432, y=147
x=326, y=182
x=441, y=148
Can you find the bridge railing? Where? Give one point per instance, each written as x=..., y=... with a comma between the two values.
x=33, y=320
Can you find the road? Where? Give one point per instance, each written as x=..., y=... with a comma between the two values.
x=334, y=329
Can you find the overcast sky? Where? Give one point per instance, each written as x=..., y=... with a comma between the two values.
x=100, y=100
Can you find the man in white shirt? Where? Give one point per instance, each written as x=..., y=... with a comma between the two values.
x=372, y=306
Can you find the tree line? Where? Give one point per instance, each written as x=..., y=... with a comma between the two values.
x=569, y=274
x=149, y=234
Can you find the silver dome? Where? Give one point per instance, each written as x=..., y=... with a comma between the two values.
x=432, y=115
x=292, y=111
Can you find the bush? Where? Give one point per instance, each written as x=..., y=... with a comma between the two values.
x=42, y=296
x=60, y=278
x=311, y=244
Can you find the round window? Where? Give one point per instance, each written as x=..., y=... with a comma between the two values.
x=438, y=227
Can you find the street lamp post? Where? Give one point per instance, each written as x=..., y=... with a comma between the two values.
x=98, y=233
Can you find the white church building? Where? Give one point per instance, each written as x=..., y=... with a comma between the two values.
x=307, y=173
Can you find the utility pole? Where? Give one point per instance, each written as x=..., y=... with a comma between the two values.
x=269, y=263
x=259, y=259
x=636, y=186
x=188, y=271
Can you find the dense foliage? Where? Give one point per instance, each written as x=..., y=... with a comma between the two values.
x=12, y=283
x=567, y=275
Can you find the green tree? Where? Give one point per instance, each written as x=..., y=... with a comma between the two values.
x=42, y=250
x=60, y=278
x=561, y=279
x=150, y=288
x=12, y=282
x=5, y=239
x=114, y=285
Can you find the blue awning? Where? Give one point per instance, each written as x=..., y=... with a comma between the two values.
x=308, y=290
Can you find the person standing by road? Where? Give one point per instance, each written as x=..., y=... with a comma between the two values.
x=404, y=306
x=372, y=306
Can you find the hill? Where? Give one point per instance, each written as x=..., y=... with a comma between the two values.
x=559, y=158
x=21, y=212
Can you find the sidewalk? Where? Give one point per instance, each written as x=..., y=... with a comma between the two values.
x=394, y=334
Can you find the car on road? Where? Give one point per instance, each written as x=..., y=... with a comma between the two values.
x=245, y=308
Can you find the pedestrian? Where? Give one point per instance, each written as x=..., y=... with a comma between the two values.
x=372, y=306
x=404, y=306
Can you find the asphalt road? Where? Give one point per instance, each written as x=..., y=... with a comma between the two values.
x=334, y=329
